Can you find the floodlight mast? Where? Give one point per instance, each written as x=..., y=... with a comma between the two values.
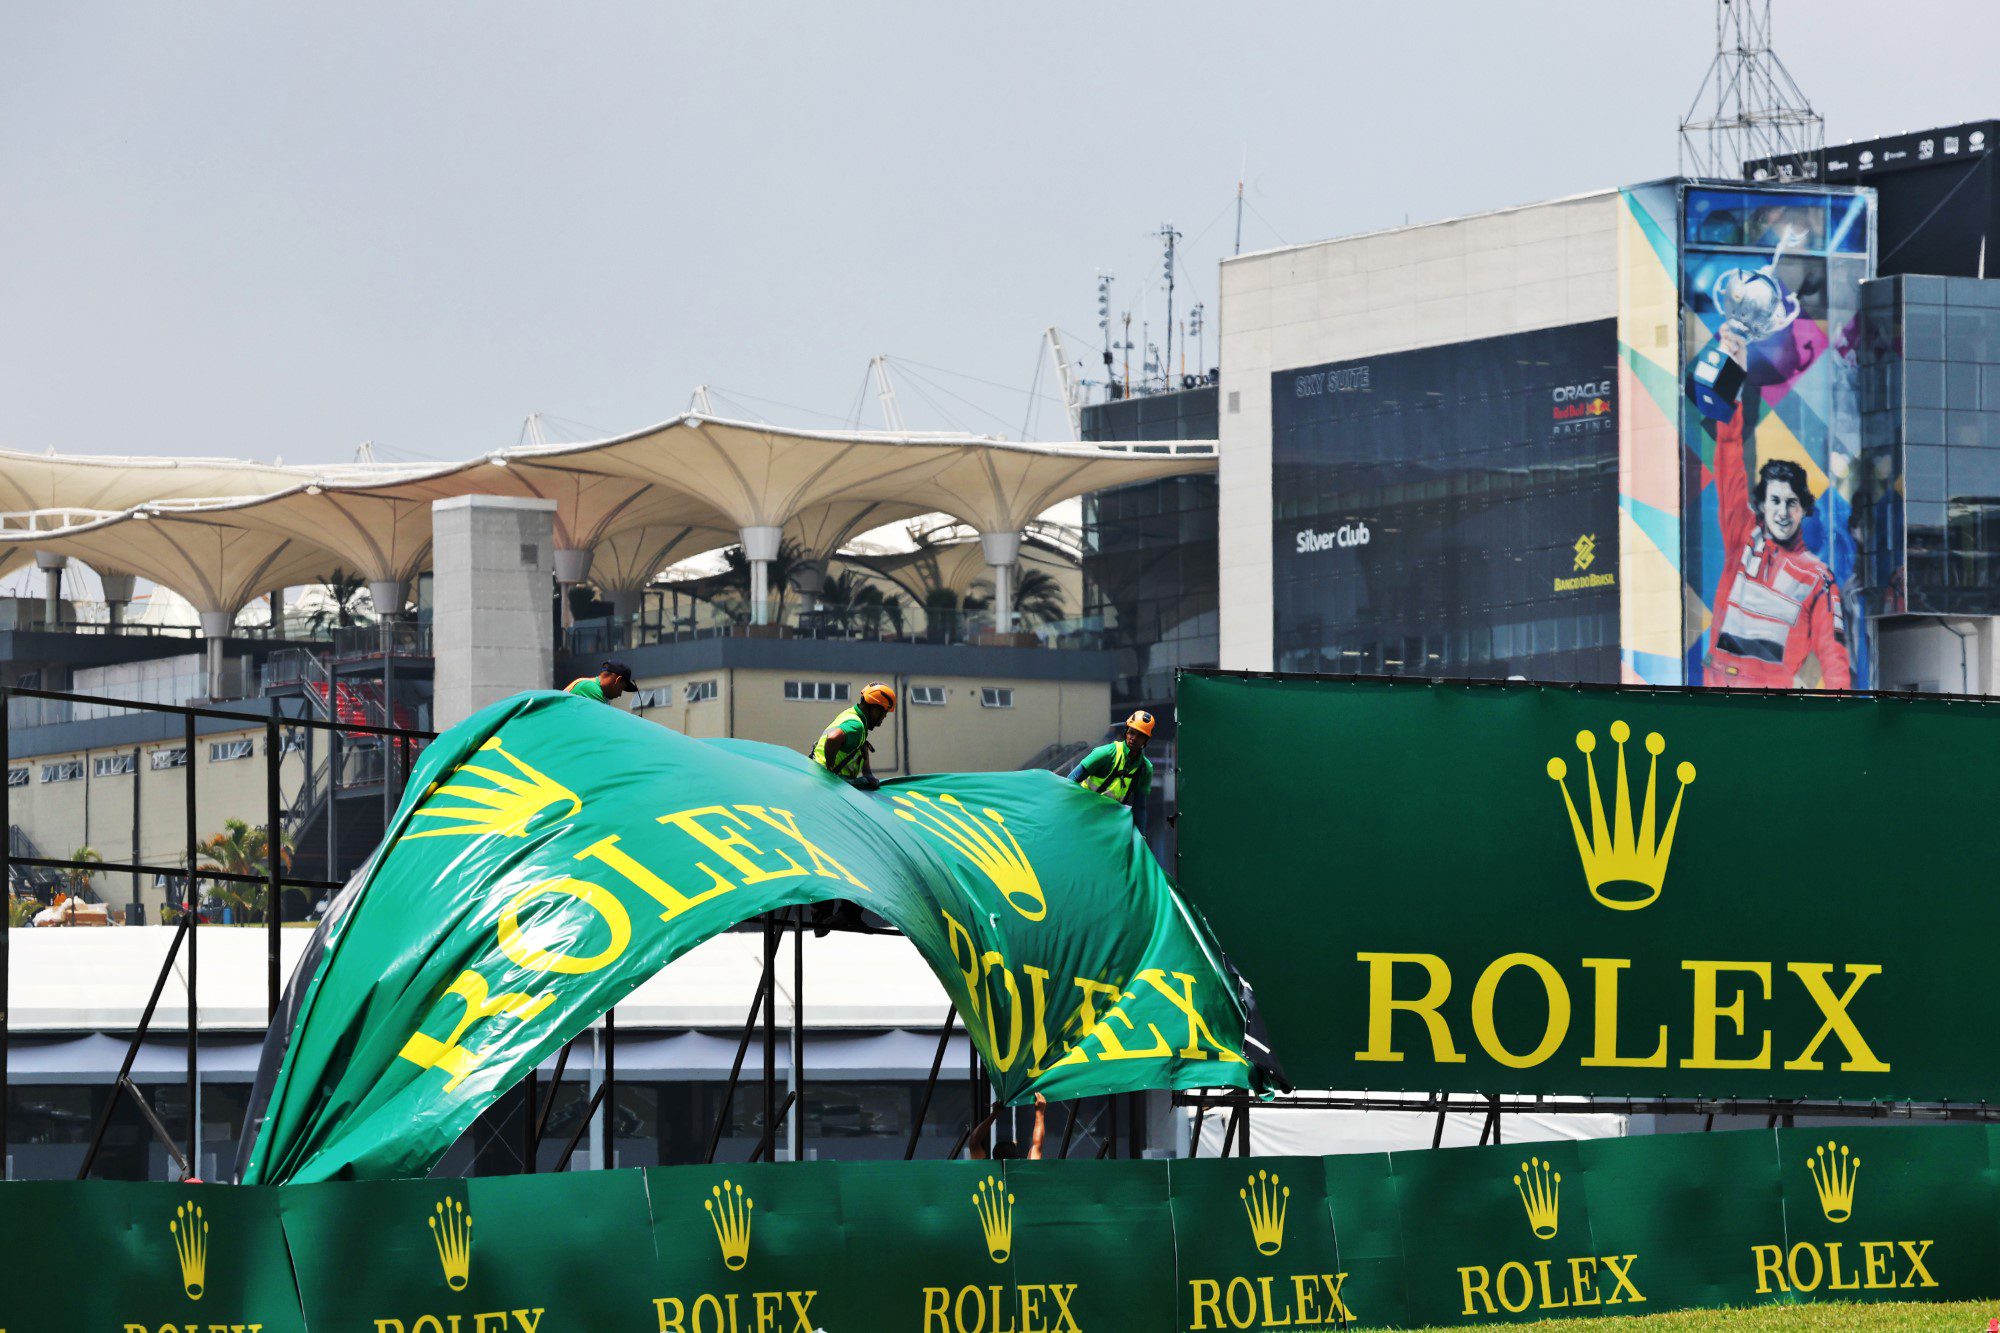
x=1748, y=106
x=885, y=389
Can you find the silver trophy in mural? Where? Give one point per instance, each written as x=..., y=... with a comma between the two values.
x=1754, y=306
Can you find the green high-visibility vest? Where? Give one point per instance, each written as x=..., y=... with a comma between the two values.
x=1118, y=782
x=848, y=763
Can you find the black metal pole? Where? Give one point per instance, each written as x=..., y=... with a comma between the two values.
x=549, y=1101
x=770, y=1033
x=742, y=1049
x=529, y=1141
x=1069, y=1131
x=274, y=849
x=335, y=744
x=132, y=1047
x=610, y=1089
x=6, y=905
x=1194, y=1135
x=798, y=1120
x=193, y=961
x=930, y=1084
x=596, y=1100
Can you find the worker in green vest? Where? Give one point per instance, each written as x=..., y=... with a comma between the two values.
x=612, y=679
x=843, y=748
x=1121, y=770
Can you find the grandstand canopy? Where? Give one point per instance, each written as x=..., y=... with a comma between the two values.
x=220, y=533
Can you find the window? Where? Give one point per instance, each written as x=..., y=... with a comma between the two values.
x=65, y=770
x=291, y=740
x=221, y=751
x=931, y=696
x=816, y=691
x=996, y=696
x=17, y=777
x=698, y=691
x=657, y=696
x=176, y=757
x=112, y=765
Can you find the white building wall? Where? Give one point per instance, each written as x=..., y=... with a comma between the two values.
x=1542, y=266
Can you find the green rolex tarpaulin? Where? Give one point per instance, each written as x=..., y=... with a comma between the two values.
x=552, y=853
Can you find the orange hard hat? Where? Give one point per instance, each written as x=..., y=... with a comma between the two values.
x=880, y=694
x=1141, y=722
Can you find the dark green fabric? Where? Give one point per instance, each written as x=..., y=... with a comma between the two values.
x=519, y=894
x=1204, y=1246
x=1338, y=832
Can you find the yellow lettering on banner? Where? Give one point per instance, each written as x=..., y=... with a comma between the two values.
x=1086, y=1016
x=1709, y=1011
x=1480, y=1290
x=1915, y=1250
x=1482, y=1010
x=1860, y=1060
x=968, y=962
x=786, y=823
x=1001, y=1061
x=1114, y=1049
x=674, y=1324
x=730, y=845
x=1770, y=1261
x=1204, y=1294
x=608, y=851
x=1620, y=1268
x=1039, y=999
x=1382, y=1006
x=1604, y=1050
x=1582, y=1273
x=428, y=1052
x=600, y=901
x=937, y=1310
x=1183, y=1000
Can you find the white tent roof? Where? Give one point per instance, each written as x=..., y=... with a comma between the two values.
x=224, y=547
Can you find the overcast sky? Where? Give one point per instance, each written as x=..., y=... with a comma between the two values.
x=280, y=230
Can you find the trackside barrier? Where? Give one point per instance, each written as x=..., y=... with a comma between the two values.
x=1471, y=1235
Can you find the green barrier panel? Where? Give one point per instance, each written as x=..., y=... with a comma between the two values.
x=1256, y=1245
x=1882, y=1214
x=1368, y=1233
x=142, y=1258
x=930, y=1243
x=1093, y=1249
x=1466, y=888
x=1278, y=1245
x=495, y=1254
x=1690, y=1206
x=751, y=1248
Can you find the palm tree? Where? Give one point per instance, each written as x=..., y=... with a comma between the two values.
x=1038, y=596
x=875, y=607
x=783, y=572
x=241, y=849
x=76, y=880
x=946, y=610
x=344, y=590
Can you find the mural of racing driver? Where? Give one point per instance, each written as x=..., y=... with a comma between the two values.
x=1776, y=604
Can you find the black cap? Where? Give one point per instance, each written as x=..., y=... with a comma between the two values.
x=618, y=669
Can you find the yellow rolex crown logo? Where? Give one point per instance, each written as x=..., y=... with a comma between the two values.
x=996, y=1217
x=986, y=842
x=1624, y=866
x=190, y=1233
x=1265, y=1201
x=451, y=1232
x=1833, y=1171
x=502, y=806
x=1539, y=1184
x=1586, y=550
x=729, y=1214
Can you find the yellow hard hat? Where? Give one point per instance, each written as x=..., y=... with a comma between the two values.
x=880, y=694
x=1141, y=722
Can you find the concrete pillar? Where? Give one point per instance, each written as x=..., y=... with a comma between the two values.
x=118, y=590
x=274, y=603
x=493, y=557
x=760, y=548
x=215, y=628
x=51, y=564
x=1002, y=550
x=625, y=603
x=388, y=596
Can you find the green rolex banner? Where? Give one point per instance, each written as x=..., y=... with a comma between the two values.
x=551, y=854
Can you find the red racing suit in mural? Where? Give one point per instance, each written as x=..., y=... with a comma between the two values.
x=1777, y=603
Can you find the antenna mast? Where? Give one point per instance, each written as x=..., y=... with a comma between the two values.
x=1748, y=106
x=1169, y=235
x=892, y=416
